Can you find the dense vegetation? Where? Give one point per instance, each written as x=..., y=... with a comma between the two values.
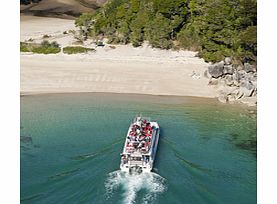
x=45, y=47
x=76, y=49
x=215, y=28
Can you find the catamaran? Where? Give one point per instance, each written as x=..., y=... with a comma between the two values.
x=140, y=146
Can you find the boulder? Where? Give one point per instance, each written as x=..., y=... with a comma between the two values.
x=249, y=67
x=247, y=84
x=254, y=92
x=241, y=75
x=228, y=69
x=254, y=82
x=222, y=98
x=236, y=76
x=236, y=93
x=231, y=98
x=213, y=81
x=222, y=81
x=216, y=70
x=250, y=76
x=228, y=60
x=227, y=90
x=239, y=68
x=247, y=88
x=229, y=80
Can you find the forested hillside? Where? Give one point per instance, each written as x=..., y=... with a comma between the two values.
x=215, y=28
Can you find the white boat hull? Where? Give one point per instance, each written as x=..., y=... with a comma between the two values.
x=142, y=157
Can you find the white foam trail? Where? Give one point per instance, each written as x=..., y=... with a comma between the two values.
x=152, y=183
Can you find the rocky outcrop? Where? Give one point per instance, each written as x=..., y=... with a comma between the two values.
x=216, y=70
x=249, y=68
x=234, y=83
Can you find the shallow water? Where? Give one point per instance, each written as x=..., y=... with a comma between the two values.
x=70, y=146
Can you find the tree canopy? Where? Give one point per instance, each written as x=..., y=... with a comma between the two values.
x=215, y=28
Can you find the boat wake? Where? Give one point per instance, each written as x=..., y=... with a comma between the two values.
x=147, y=185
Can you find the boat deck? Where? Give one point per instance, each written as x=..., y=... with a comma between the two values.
x=139, y=137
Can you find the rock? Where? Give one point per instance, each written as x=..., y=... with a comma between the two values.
x=236, y=76
x=246, y=88
x=247, y=84
x=213, y=81
x=235, y=82
x=229, y=80
x=216, y=70
x=206, y=74
x=239, y=68
x=231, y=98
x=222, y=98
x=254, y=92
x=241, y=75
x=227, y=90
x=254, y=82
x=228, y=60
x=250, y=76
x=237, y=94
x=228, y=69
x=222, y=81
x=249, y=68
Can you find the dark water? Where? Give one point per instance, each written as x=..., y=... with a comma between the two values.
x=70, y=146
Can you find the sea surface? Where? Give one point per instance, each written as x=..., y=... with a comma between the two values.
x=70, y=149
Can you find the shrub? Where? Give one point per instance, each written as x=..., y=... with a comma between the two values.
x=46, y=50
x=27, y=47
x=55, y=44
x=23, y=47
x=76, y=49
x=45, y=43
x=45, y=47
x=46, y=36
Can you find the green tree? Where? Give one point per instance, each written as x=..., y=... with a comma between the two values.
x=137, y=28
x=85, y=23
x=215, y=28
x=157, y=32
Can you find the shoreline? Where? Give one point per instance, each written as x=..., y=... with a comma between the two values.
x=172, y=99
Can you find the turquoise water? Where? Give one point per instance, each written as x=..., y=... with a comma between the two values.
x=70, y=146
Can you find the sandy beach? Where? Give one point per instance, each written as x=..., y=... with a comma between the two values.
x=119, y=69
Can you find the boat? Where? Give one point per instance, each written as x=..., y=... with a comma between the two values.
x=140, y=146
